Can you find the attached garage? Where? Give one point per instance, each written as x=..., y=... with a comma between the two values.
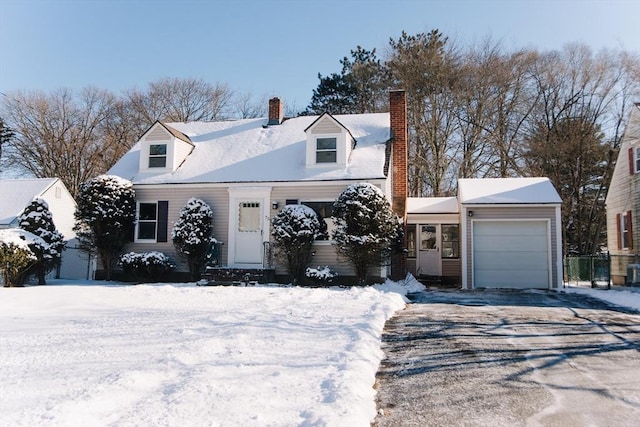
x=511, y=230
x=512, y=254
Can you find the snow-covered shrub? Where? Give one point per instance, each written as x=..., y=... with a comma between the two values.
x=36, y=218
x=193, y=234
x=322, y=275
x=16, y=255
x=146, y=265
x=105, y=217
x=367, y=230
x=295, y=228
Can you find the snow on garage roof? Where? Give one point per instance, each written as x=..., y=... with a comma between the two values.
x=250, y=151
x=432, y=205
x=16, y=194
x=507, y=191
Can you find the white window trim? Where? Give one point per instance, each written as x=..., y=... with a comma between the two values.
x=143, y=202
x=156, y=156
x=636, y=159
x=624, y=231
x=342, y=149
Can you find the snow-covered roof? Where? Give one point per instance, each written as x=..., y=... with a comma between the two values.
x=507, y=191
x=432, y=205
x=250, y=151
x=16, y=194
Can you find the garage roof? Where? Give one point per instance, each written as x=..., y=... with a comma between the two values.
x=507, y=191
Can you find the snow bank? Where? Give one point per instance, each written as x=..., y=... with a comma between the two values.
x=622, y=298
x=185, y=355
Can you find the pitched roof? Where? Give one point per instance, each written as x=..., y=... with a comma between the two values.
x=507, y=191
x=250, y=151
x=16, y=194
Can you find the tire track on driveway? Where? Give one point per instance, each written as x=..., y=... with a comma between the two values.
x=509, y=358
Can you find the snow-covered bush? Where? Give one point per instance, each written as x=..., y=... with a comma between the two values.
x=16, y=255
x=367, y=230
x=105, y=217
x=295, y=228
x=193, y=234
x=36, y=218
x=146, y=265
x=321, y=275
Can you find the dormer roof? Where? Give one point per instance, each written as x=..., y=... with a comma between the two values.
x=174, y=132
x=337, y=122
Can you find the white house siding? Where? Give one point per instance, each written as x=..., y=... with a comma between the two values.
x=217, y=196
x=507, y=212
x=62, y=207
x=326, y=126
x=624, y=196
x=158, y=134
x=177, y=195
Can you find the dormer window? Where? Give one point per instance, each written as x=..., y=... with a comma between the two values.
x=163, y=149
x=326, y=150
x=329, y=143
x=158, y=155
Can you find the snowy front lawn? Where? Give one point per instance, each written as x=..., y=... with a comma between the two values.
x=168, y=355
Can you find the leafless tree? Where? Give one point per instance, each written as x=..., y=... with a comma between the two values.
x=247, y=107
x=62, y=134
x=426, y=67
x=181, y=100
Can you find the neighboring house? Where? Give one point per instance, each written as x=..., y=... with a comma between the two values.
x=16, y=194
x=247, y=170
x=623, y=207
x=497, y=233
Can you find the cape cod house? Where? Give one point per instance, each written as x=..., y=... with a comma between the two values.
x=623, y=207
x=247, y=170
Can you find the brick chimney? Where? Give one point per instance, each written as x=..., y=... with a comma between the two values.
x=399, y=161
x=275, y=111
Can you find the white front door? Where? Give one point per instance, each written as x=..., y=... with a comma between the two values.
x=429, y=245
x=248, y=233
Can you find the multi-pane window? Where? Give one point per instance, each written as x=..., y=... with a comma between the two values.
x=324, y=212
x=411, y=241
x=147, y=221
x=450, y=241
x=158, y=155
x=326, y=150
x=249, y=216
x=637, y=159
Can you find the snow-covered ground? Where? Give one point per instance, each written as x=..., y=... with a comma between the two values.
x=167, y=354
x=97, y=354
x=622, y=296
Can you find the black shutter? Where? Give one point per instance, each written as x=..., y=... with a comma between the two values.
x=163, y=220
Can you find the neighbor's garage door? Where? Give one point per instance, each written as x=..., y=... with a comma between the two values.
x=510, y=254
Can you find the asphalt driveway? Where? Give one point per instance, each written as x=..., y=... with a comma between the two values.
x=509, y=358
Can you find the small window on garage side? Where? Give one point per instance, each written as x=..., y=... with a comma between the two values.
x=326, y=151
x=158, y=155
x=450, y=240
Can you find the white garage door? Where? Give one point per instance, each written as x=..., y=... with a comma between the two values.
x=511, y=254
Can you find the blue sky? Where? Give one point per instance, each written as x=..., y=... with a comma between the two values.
x=269, y=47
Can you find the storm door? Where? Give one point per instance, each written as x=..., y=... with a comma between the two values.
x=429, y=253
